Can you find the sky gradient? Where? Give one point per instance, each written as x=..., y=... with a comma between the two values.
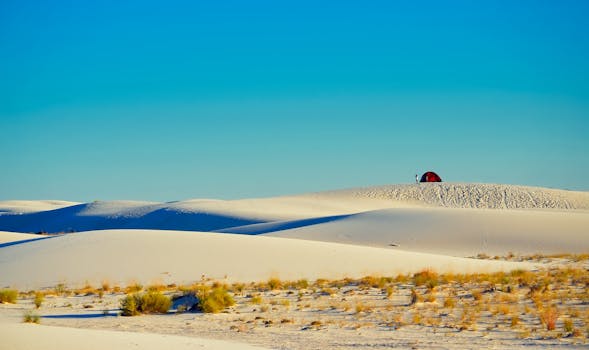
x=230, y=99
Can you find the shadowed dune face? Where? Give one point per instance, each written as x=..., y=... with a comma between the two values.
x=441, y=218
x=85, y=217
x=281, y=213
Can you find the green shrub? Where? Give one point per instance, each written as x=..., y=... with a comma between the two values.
x=8, y=296
x=152, y=302
x=215, y=301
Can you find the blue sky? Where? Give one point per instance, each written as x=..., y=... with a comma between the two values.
x=232, y=99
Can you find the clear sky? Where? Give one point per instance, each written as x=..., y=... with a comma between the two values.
x=149, y=100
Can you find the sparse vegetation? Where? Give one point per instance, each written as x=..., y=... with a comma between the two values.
x=30, y=317
x=491, y=303
x=215, y=301
x=8, y=296
x=39, y=298
x=548, y=318
x=145, y=303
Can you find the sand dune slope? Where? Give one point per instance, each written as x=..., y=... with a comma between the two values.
x=470, y=195
x=11, y=237
x=460, y=232
x=177, y=256
x=19, y=207
x=190, y=215
x=28, y=337
x=219, y=215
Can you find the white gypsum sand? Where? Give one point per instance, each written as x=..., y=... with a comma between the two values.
x=180, y=257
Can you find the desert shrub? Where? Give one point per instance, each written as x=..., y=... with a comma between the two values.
x=256, y=299
x=548, y=318
x=154, y=302
x=30, y=317
x=129, y=306
x=105, y=286
x=8, y=296
x=414, y=297
x=133, y=288
x=157, y=287
x=39, y=298
x=238, y=287
x=145, y=303
x=274, y=284
x=449, y=302
x=301, y=284
x=568, y=325
x=361, y=307
x=215, y=301
x=61, y=289
x=426, y=278
x=514, y=320
x=372, y=282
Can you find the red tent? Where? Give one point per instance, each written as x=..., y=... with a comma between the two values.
x=430, y=176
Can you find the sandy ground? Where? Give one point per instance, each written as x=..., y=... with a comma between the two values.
x=179, y=257
x=378, y=231
x=351, y=314
x=11, y=237
x=307, y=210
x=452, y=231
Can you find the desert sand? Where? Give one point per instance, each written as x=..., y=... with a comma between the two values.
x=377, y=231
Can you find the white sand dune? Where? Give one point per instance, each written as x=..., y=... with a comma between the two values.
x=273, y=213
x=191, y=215
x=470, y=195
x=11, y=237
x=19, y=207
x=29, y=337
x=177, y=256
x=454, y=231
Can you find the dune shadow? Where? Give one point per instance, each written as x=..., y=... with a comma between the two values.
x=76, y=218
x=8, y=244
x=261, y=228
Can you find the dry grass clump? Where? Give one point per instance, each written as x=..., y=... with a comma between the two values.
x=361, y=307
x=568, y=325
x=427, y=278
x=256, y=299
x=374, y=282
x=449, y=302
x=61, y=289
x=274, y=284
x=30, y=317
x=88, y=289
x=477, y=294
x=39, y=298
x=548, y=317
x=133, y=288
x=215, y=301
x=156, y=287
x=145, y=303
x=389, y=291
x=8, y=296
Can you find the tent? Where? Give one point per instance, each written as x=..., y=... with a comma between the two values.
x=430, y=176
